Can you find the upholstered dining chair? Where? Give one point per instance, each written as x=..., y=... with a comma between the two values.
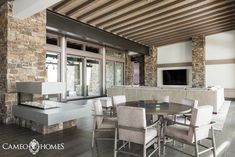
x=132, y=128
x=117, y=100
x=189, y=102
x=101, y=122
x=191, y=134
x=161, y=99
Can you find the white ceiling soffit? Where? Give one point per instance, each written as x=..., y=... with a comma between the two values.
x=23, y=9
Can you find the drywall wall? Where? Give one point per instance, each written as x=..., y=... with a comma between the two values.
x=175, y=53
x=220, y=55
x=220, y=46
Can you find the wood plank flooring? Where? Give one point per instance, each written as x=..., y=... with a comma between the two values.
x=77, y=140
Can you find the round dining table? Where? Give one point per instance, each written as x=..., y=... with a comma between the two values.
x=153, y=107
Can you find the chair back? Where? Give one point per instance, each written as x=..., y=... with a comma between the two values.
x=201, y=117
x=131, y=122
x=161, y=99
x=98, y=111
x=190, y=102
x=119, y=99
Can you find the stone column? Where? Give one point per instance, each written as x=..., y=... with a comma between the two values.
x=128, y=70
x=151, y=67
x=22, y=55
x=198, y=61
x=3, y=60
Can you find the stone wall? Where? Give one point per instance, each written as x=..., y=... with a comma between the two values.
x=151, y=67
x=3, y=58
x=3, y=47
x=128, y=71
x=115, y=53
x=22, y=55
x=198, y=61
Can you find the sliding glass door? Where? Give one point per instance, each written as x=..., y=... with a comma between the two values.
x=74, y=77
x=93, y=77
x=109, y=74
x=119, y=71
x=52, y=67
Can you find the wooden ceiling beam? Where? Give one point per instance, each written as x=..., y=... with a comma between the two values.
x=77, y=8
x=177, y=40
x=115, y=12
x=188, y=18
x=185, y=34
x=98, y=9
x=133, y=12
x=188, y=32
x=62, y=5
x=179, y=27
x=163, y=11
x=172, y=14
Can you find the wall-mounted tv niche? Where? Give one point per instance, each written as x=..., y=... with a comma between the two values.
x=175, y=77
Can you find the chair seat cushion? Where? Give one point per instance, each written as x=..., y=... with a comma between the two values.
x=108, y=123
x=177, y=131
x=150, y=134
x=137, y=136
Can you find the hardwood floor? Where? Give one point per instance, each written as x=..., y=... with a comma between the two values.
x=77, y=141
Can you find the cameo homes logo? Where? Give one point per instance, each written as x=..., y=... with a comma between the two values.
x=34, y=146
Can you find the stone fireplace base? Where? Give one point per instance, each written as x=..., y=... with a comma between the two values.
x=49, y=120
x=43, y=129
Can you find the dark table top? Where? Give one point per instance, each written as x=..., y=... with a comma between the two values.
x=154, y=108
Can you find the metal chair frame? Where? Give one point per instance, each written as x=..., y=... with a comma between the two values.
x=95, y=130
x=196, y=142
x=155, y=140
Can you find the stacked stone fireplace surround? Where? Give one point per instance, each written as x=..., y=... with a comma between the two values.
x=22, y=58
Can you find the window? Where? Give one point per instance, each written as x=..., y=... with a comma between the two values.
x=92, y=49
x=74, y=76
x=119, y=68
x=93, y=77
x=52, y=41
x=52, y=67
x=109, y=71
x=74, y=45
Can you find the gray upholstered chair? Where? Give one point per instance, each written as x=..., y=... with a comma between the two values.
x=118, y=99
x=192, y=134
x=161, y=99
x=132, y=128
x=189, y=102
x=101, y=122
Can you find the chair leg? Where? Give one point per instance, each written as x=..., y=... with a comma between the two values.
x=115, y=143
x=158, y=140
x=93, y=134
x=144, y=150
x=93, y=138
x=196, y=144
x=159, y=146
x=164, y=139
x=213, y=142
x=196, y=149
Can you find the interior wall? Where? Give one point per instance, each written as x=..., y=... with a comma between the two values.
x=220, y=53
x=220, y=60
x=175, y=53
x=220, y=46
x=175, y=56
